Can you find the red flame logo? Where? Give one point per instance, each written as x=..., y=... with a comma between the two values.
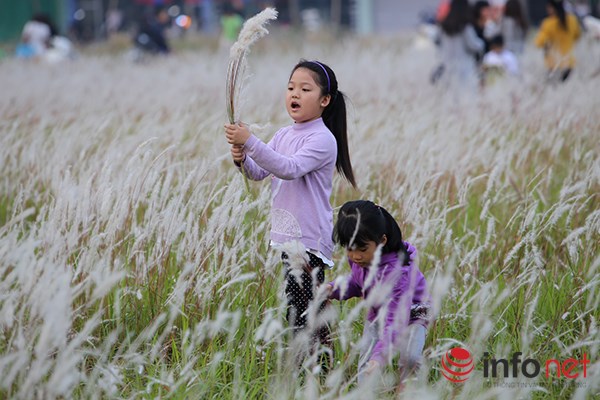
x=457, y=364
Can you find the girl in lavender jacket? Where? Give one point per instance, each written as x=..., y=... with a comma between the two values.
x=301, y=160
x=385, y=273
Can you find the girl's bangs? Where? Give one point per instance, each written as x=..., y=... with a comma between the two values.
x=347, y=234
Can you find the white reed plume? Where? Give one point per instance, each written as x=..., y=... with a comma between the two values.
x=253, y=29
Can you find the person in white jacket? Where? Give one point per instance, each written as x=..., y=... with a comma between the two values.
x=500, y=59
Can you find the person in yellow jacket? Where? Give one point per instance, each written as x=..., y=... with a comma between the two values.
x=557, y=36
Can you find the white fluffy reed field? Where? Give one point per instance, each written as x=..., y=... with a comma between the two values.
x=135, y=264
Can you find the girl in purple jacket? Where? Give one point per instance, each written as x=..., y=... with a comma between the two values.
x=383, y=272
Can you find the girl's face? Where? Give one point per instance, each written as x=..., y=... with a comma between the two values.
x=303, y=99
x=364, y=255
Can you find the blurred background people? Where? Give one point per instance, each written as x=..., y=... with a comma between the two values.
x=231, y=24
x=151, y=37
x=499, y=61
x=484, y=25
x=40, y=41
x=557, y=37
x=459, y=44
x=514, y=26
x=36, y=36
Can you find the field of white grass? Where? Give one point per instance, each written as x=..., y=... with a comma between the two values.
x=134, y=263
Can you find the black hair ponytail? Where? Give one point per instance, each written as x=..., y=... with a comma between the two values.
x=334, y=115
x=394, y=236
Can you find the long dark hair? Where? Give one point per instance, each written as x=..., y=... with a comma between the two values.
x=458, y=17
x=334, y=115
x=514, y=10
x=559, y=10
x=362, y=221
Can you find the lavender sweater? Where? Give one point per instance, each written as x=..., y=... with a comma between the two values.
x=407, y=286
x=301, y=161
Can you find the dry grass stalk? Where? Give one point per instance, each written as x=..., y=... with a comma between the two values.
x=253, y=29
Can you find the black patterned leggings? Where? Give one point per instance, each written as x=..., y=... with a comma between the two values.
x=300, y=295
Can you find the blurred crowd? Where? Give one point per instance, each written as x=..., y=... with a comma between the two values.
x=152, y=25
x=477, y=41
x=40, y=40
x=481, y=41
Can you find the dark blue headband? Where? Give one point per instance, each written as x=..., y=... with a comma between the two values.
x=326, y=74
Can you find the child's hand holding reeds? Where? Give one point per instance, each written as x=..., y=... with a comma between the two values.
x=237, y=152
x=237, y=134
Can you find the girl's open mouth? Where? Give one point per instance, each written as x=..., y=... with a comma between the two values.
x=295, y=105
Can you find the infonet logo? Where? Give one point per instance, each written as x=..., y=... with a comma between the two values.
x=457, y=364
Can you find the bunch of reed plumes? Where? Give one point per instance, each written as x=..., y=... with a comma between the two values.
x=253, y=29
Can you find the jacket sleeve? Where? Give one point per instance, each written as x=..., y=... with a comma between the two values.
x=473, y=43
x=316, y=152
x=347, y=287
x=252, y=170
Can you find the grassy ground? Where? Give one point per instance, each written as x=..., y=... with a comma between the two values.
x=134, y=263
